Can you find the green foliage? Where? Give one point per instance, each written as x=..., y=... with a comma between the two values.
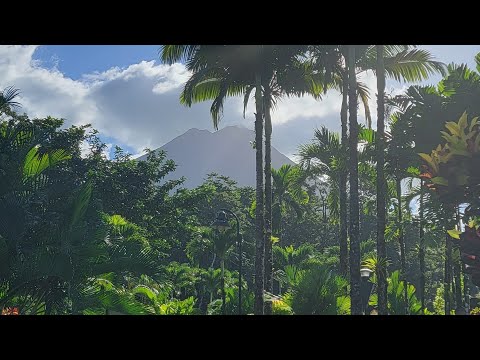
x=439, y=301
x=450, y=169
x=475, y=311
x=317, y=291
x=280, y=307
x=395, y=291
x=82, y=234
x=178, y=307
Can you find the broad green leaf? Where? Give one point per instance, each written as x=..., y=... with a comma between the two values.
x=453, y=128
x=473, y=123
x=462, y=123
x=454, y=233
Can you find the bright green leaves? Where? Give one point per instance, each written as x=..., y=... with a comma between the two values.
x=454, y=233
x=35, y=162
x=451, y=168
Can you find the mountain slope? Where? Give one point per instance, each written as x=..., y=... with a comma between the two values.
x=227, y=152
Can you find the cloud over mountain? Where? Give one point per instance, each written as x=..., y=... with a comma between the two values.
x=138, y=105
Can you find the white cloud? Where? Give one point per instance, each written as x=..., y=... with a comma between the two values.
x=85, y=150
x=139, y=105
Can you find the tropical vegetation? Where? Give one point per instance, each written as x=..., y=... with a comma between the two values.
x=397, y=198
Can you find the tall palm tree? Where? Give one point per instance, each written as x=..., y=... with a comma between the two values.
x=259, y=210
x=221, y=71
x=421, y=250
x=356, y=303
x=218, y=72
x=400, y=62
x=287, y=73
x=422, y=115
x=381, y=271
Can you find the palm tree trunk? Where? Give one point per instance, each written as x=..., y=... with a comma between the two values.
x=466, y=295
x=356, y=302
x=401, y=241
x=343, y=185
x=280, y=217
x=448, y=260
x=222, y=264
x=381, y=202
x=268, y=204
x=457, y=272
x=259, y=214
x=421, y=252
x=447, y=274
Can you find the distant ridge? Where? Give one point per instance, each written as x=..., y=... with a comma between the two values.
x=227, y=152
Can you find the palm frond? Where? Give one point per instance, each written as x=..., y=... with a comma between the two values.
x=412, y=65
x=8, y=96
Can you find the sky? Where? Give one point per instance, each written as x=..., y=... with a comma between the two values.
x=131, y=98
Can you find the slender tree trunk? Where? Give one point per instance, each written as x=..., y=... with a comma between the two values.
x=447, y=275
x=343, y=184
x=421, y=252
x=381, y=202
x=465, y=290
x=280, y=218
x=356, y=301
x=448, y=261
x=457, y=273
x=259, y=211
x=222, y=265
x=401, y=242
x=268, y=204
x=466, y=298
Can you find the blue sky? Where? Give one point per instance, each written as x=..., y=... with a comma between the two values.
x=76, y=60
x=132, y=99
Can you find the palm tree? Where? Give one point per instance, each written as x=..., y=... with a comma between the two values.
x=317, y=291
x=399, y=157
x=426, y=110
x=287, y=193
x=395, y=292
x=421, y=250
x=400, y=61
x=381, y=182
x=325, y=156
x=422, y=115
x=286, y=74
x=356, y=303
x=222, y=242
x=7, y=98
x=212, y=280
x=221, y=71
x=259, y=210
x=218, y=72
x=288, y=262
